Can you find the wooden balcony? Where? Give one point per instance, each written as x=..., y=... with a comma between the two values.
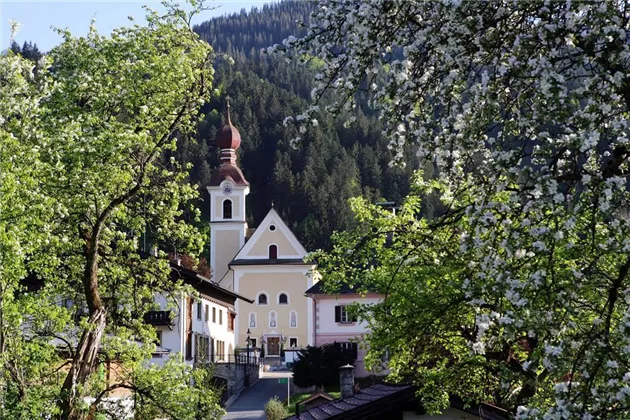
x=159, y=318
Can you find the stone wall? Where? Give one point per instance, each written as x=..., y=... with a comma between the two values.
x=238, y=375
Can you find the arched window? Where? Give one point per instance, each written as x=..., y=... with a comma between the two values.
x=262, y=299
x=273, y=252
x=293, y=319
x=227, y=208
x=252, y=320
x=272, y=320
x=283, y=299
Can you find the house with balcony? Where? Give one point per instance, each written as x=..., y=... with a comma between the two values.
x=200, y=328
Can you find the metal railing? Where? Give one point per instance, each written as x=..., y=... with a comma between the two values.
x=240, y=359
x=158, y=318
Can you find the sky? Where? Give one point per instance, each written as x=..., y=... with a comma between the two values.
x=38, y=17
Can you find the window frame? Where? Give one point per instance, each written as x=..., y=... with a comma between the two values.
x=292, y=339
x=227, y=205
x=296, y=319
x=199, y=310
x=274, y=318
x=220, y=316
x=288, y=302
x=260, y=294
x=214, y=315
x=273, y=255
x=249, y=320
x=344, y=316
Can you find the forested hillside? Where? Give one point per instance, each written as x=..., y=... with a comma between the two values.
x=309, y=182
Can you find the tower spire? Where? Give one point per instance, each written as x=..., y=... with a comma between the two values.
x=228, y=141
x=227, y=100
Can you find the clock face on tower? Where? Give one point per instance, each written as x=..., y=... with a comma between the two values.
x=227, y=189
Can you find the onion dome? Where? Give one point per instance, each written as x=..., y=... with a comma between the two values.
x=228, y=140
x=228, y=137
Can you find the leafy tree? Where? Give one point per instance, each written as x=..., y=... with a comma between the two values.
x=517, y=290
x=319, y=366
x=86, y=139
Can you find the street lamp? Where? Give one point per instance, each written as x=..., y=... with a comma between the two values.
x=248, y=343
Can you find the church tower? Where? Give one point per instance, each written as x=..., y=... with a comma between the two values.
x=228, y=189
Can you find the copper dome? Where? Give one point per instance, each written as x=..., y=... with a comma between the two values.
x=228, y=137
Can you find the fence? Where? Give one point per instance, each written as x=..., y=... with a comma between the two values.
x=241, y=359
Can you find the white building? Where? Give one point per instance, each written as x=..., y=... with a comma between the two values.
x=201, y=329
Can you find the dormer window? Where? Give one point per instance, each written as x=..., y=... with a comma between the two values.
x=227, y=208
x=273, y=252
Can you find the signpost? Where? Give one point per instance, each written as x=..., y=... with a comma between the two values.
x=286, y=381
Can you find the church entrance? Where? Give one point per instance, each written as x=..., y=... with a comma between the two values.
x=273, y=346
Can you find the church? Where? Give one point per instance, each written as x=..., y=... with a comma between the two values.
x=266, y=265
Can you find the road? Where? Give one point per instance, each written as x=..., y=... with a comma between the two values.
x=251, y=403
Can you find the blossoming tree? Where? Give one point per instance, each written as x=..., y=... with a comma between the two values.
x=85, y=138
x=518, y=293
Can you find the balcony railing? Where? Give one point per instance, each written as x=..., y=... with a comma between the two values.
x=158, y=318
x=240, y=359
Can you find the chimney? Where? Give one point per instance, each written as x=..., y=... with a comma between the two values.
x=346, y=381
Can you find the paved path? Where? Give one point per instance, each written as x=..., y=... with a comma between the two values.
x=251, y=403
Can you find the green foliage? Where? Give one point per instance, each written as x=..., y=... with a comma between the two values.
x=177, y=390
x=275, y=410
x=88, y=136
x=319, y=366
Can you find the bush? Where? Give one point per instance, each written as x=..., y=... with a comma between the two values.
x=275, y=410
x=319, y=366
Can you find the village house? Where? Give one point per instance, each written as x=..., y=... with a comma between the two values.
x=335, y=323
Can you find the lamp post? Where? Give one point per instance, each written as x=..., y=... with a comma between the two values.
x=248, y=341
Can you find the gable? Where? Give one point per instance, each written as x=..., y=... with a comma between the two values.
x=272, y=231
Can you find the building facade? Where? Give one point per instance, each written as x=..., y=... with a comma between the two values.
x=267, y=267
x=335, y=323
x=201, y=327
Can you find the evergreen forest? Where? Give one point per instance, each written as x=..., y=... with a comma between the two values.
x=310, y=181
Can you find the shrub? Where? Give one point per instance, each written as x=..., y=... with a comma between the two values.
x=275, y=410
x=319, y=366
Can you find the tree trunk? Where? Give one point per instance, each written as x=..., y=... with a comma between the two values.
x=86, y=354
x=83, y=363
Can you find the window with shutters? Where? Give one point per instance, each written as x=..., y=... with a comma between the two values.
x=230, y=321
x=202, y=348
x=220, y=317
x=199, y=308
x=214, y=315
x=207, y=313
x=189, y=346
x=343, y=315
